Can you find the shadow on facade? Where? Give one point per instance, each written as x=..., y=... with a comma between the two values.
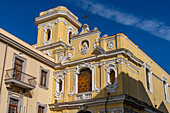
x=130, y=93
x=135, y=95
x=163, y=108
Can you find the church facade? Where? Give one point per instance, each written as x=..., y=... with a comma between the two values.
x=72, y=72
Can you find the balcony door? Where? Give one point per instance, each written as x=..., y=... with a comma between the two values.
x=17, y=69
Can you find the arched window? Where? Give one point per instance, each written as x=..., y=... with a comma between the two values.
x=112, y=76
x=85, y=80
x=60, y=85
x=48, y=34
x=69, y=38
x=59, y=91
x=148, y=77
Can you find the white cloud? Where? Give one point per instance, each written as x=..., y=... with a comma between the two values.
x=154, y=27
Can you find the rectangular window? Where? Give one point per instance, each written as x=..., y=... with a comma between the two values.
x=13, y=106
x=43, y=78
x=41, y=109
x=17, y=69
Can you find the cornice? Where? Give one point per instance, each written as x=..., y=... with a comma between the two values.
x=53, y=45
x=55, y=14
x=143, y=53
x=26, y=50
x=98, y=57
x=57, y=21
x=79, y=103
x=125, y=99
x=79, y=36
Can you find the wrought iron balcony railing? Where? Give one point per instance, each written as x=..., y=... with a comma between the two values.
x=20, y=79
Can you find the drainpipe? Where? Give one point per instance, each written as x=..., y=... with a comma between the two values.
x=3, y=69
x=108, y=93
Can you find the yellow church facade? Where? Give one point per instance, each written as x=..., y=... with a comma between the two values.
x=78, y=72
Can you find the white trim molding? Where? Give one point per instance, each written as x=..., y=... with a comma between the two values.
x=110, y=44
x=60, y=78
x=84, y=47
x=85, y=95
x=109, y=86
x=65, y=58
x=165, y=88
x=47, y=52
x=108, y=54
x=70, y=29
x=148, y=67
x=55, y=14
x=48, y=26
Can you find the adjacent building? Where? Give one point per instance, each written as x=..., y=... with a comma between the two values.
x=68, y=71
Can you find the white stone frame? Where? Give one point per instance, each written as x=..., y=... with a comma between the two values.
x=109, y=86
x=85, y=95
x=110, y=44
x=47, y=78
x=20, y=100
x=147, y=66
x=59, y=76
x=42, y=105
x=70, y=29
x=80, y=46
x=20, y=57
x=165, y=88
x=48, y=26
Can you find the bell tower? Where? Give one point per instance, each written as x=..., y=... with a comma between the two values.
x=54, y=26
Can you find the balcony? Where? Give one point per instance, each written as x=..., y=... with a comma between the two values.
x=19, y=79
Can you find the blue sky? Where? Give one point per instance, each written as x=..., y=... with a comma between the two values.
x=146, y=22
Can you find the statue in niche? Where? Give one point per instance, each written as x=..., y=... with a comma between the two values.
x=84, y=47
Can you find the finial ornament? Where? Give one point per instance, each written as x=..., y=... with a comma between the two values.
x=85, y=17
